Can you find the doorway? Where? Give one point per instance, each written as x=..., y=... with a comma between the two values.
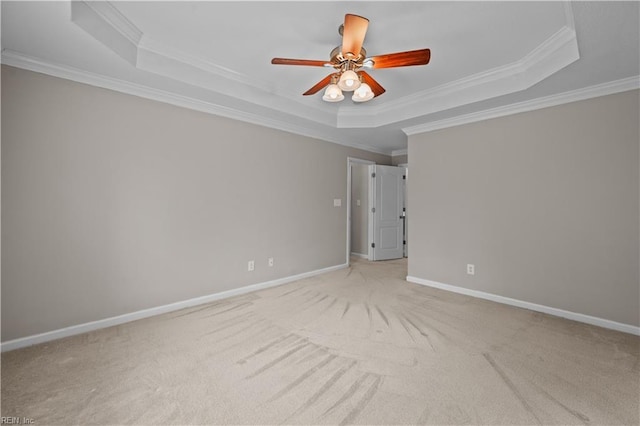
x=364, y=195
x=357, y=207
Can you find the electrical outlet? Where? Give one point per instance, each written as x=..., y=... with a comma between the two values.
x=337, y=202
x=270, y=261
x=358, y=203
x=251, y=265
x=471, y=269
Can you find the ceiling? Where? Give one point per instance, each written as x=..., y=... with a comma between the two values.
x=487, y=58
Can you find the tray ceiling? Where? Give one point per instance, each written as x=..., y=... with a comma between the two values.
x=215, y=57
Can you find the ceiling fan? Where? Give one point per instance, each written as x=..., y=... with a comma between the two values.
x=349, y=60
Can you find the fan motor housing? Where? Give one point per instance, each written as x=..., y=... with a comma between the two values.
x=338, y=59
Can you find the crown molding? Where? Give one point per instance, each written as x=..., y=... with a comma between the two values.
x=152, y=56
x=212, y=77
x=105, y=23
x=555, y=53
x=19, y=60
x=288, y=112
x=151, y=46
x=618, y=86
x=113, y=16
x=109, y=26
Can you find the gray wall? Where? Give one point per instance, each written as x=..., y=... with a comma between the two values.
x=544, y=203
x=113, y=203
x=359, y=213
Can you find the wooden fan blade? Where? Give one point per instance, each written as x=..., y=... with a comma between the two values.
x=307, y=62
x=355, y=28
x=402, y=59
x=319, y=86
x=375, y=86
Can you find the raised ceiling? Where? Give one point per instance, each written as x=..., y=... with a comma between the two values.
x=487, y=58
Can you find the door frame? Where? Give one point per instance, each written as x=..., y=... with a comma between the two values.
x=351, y=161
x=406, y=213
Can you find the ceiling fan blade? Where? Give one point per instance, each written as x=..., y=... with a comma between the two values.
x=307, y=62
x=319, y=86
x=354, y=30
x=375, y=86
x=402, y=59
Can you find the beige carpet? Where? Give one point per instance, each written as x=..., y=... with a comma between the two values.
x=359, y=345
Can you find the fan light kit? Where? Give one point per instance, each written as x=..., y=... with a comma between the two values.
x=348, y=61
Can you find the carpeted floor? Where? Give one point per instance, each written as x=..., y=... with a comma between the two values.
x=359, y=345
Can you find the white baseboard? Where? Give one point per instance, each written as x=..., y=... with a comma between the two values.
x=363, y=256
x=145, y=313
x=600, y=322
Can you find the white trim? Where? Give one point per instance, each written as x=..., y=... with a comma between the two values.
x=399, y=152
x=370, y=205
x=568, y=15
x=350, y=162
x=179, y=66
x=109, y=26
x=588, y=319
x=363, y=256
x=18, y=60
x=111, y=15
x=598, y=90
x=551, y=56
x=150, y=55
x=541, y=54
x=175, y=61
x=145, y=313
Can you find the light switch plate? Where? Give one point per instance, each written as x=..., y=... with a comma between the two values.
x=337, y=202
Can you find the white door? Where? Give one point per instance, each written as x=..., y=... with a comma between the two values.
x=386, y=223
